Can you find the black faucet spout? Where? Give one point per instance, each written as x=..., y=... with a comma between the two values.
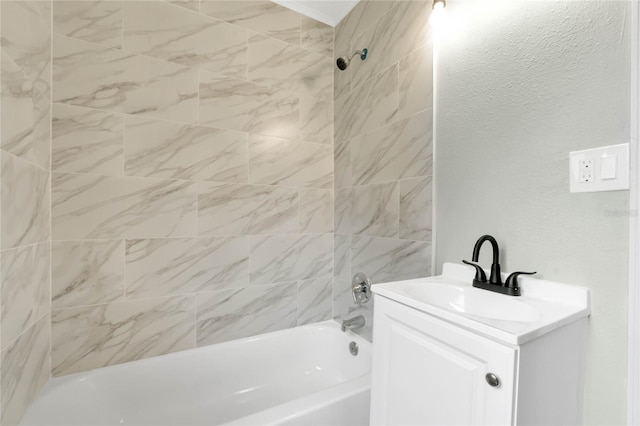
x=495, y=277
x=494, y=245
x=495, y=284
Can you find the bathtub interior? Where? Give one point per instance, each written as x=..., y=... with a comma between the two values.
x=210, y=385
x=346, y=404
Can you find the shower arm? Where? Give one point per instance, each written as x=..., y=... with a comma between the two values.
x=363, y=54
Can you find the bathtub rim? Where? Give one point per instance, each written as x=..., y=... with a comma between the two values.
x=56, y=382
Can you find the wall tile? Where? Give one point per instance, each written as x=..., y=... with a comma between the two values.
x=275, y=161
x=342, y=257
x=25, y=202
x=240, y=105
x=95, y=21
x=416, y=81
x=416, y=209
x=24, y=289
x=275, y=63
x=17, y=108
x=26, y=36
x=375, y=210
x=86, y=272
x=316, y=76
x=316, y=36
x=343, y=306
x=187, y=4
x=25, y=370
x=25, y=139
x=401, y=150
x=278, y=64
x=316, y=120
x=41, y=130
x=86, y=141
x=385, y=259
x=234, y=314
x=342, y=210
x=316, y=210
x=164, y=267
x=25, y=130
x=401, y=31
x=97, y=336
x=264, y=17
x=92, y=207
x=153, y=203
x=97, y=77
x=362, y=17
x=374, y=105
x=342, y=164
x=230, y=209
x=314, y=300
x=341, y=80
x=165, y=149
x=382, y=149
x=282, y=258
x=368, y=210
x=160, y=30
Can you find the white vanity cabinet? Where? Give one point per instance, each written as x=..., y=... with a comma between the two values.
x=429, y=372
x=434, y=364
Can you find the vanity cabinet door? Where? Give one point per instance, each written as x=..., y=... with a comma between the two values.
x=429, y=372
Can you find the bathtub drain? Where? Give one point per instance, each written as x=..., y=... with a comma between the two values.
x=353, y=348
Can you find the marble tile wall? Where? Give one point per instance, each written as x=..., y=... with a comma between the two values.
x=25, y=234
x=167, y=175
x=383, y=153
x=192, y=176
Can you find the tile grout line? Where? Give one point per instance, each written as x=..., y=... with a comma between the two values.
x=195, y=320
x=215, y=19
x=333, y=144
x=50, y=372
x=122, y=2
x=196, y=68
x=25, y=246
x=182, y=237
x=170, y=179
x=28, y=162
x=299, y=231
x=1, y=217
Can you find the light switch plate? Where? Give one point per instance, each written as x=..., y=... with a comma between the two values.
x=609, y=171
x=609, y=167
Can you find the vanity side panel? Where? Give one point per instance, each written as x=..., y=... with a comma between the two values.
x=551, y=375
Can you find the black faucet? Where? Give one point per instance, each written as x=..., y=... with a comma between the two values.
x=509, y=287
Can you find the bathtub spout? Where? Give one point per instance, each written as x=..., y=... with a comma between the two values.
x=354, y=323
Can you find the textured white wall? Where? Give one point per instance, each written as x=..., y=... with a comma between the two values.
x=517, y=89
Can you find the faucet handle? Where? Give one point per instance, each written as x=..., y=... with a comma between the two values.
x=512, y=279
x=361, y=288
x=480, y=275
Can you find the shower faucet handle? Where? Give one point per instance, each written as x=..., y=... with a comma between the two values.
x=361, y=288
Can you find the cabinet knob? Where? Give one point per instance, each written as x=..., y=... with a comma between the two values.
x=492, y=379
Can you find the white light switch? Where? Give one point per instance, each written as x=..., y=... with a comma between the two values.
x=608, y=167
x=600, y=169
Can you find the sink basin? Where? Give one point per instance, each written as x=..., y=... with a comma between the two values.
x=544, y=305
x=473, y=301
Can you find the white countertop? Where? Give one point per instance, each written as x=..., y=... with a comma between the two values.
x=555, y=304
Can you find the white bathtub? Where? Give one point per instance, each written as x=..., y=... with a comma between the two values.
x=301, y=376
